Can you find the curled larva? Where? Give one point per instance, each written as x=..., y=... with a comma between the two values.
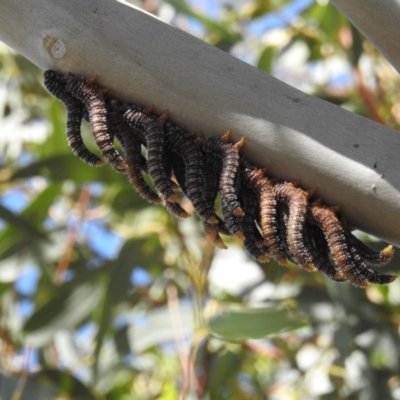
x=179, y=169
x=370, y=275
x=154, y=138
x=229, y=155
x=297, y=201
x=253, y=242
x=369, y=255
x=232, y=222
x=97, y=110
x=263, y=187
x=57, y=86
x=131, y=144
x=319, y=252
x=184, y=148
x=345, y=256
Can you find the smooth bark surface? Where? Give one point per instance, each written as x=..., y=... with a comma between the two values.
x=351, y=160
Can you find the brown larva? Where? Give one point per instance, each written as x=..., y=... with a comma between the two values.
x=345, y=256
x=297, y=201
x=96, y=107
x=56, y=85
x=263, y=188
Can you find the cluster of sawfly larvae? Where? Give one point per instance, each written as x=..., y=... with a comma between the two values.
x=273, y=219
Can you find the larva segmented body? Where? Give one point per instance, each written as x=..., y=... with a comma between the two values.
x=345, y=256
x=264, y=189
x=57, y=86
x=186, y=149
x=134, y=160
x=369, y=255
x=154, y=139
x=229, y=155
x=297, y=202
x=97, y=110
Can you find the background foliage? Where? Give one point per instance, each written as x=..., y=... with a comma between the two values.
x=105, y=297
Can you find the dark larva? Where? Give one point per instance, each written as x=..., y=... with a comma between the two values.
x=96, y=107
x=189, y=152
x=370, y=275
x=253, y=241
x=154, y=138
x=56, y=85
x=232, y=222
x=369, y=255
x=319, y=251
x=179, y=168
x=175, y=209
x=132, y=147
x=229, y=155
x=211, y=176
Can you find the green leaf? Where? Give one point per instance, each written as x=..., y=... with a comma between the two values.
x=266, y=59
x=237, y=323
x=38, y=209
x=63, y=310
x=14, y=238
x=19, y=222
x=226, y=364
x=66, y=383
x=158, y=327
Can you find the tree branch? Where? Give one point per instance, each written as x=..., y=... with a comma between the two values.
x=351, y=160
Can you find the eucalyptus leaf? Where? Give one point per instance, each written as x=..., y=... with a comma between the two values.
x=13, y=239
x=63, y=310
x=236, y=323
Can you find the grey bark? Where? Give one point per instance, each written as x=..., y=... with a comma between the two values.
x=349, y=159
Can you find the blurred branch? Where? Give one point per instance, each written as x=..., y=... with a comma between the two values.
x=351, y=160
